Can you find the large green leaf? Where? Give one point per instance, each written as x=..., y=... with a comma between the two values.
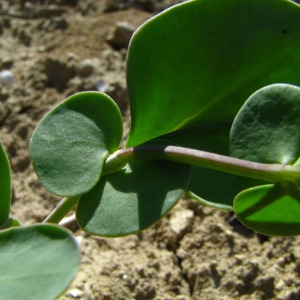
x=198, y=61
x=36, y=262
x=132, y=199
x=70, y=144
x=270, y=209
x=267, y=127
x=5, y=186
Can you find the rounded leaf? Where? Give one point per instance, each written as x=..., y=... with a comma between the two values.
x=132, y=199
x=5, y=186
x=198, y=61
x=272, y=209
x=37, y=262
x=69, y=145
x=267, y=127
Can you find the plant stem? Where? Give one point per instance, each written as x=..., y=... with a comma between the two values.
x=231, y=165
x=61, y=210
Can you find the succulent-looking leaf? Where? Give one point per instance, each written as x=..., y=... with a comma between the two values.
x=132, y=199
x=198, y=61
x=37, y=262
x=267, y=127
x=272, y=209
x=69, y=145
x=5, y=186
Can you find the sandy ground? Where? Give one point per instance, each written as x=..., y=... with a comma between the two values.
x=194, y=252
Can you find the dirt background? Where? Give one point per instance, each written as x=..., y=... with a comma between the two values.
x=57, y=48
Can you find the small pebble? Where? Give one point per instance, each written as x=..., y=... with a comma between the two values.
x=75, y=293
x=87, y=67
x=181, y=221
x=121, y=35
x=229, y=235
x=102, y=86
x=6, y=77
x=280, y=285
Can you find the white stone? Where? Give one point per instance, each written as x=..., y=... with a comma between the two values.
x=6, y=77
x=181, y=220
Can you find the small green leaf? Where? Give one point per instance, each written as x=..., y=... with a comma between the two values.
x=272, y=209
x=267, y=127
x=5, y=186
x=37, y=262
x=198, y=61
x=132, y=199
x=69, y=145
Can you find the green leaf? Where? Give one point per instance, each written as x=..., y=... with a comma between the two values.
x=198, y=61
x=5, y=186
x=37, y=262
x=71, y=142
x=267, y=127
x=272, y=209
x=132, y=199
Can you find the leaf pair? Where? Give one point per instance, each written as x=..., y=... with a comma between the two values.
x=69, y=147
x=267, y=130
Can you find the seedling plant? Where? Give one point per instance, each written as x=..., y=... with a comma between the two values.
x=215, y=106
